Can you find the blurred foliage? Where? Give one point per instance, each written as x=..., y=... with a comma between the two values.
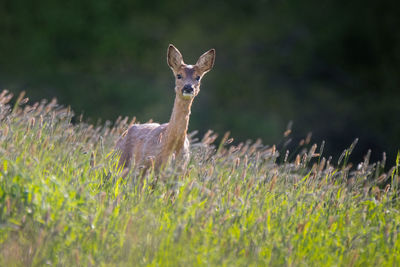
x=332, y=67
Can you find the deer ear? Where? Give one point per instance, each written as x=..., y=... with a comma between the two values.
x=174, y=58
x=206, y=61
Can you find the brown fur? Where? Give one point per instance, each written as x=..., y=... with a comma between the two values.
x=154, y=144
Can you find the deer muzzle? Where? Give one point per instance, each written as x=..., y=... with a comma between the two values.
x=187, y=90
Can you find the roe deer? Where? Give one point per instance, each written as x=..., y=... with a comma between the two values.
x=150, y=144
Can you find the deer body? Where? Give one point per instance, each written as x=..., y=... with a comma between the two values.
x=154, y=144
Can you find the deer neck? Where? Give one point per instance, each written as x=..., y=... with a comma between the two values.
x=176, y=132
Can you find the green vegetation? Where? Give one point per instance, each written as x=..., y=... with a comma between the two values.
x=332, y=67
x=62, y=202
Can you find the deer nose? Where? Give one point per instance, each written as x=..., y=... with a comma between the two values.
x=187, y=89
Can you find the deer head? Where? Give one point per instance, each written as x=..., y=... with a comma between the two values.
x=188, y=77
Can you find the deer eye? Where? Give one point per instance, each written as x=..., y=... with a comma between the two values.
x=197, y=78
x=179, y=76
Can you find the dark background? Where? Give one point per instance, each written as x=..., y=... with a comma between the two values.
x=331, y=67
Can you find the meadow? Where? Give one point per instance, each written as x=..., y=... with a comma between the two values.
x=64, y=202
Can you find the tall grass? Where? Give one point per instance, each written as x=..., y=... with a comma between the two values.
x=64, y=202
